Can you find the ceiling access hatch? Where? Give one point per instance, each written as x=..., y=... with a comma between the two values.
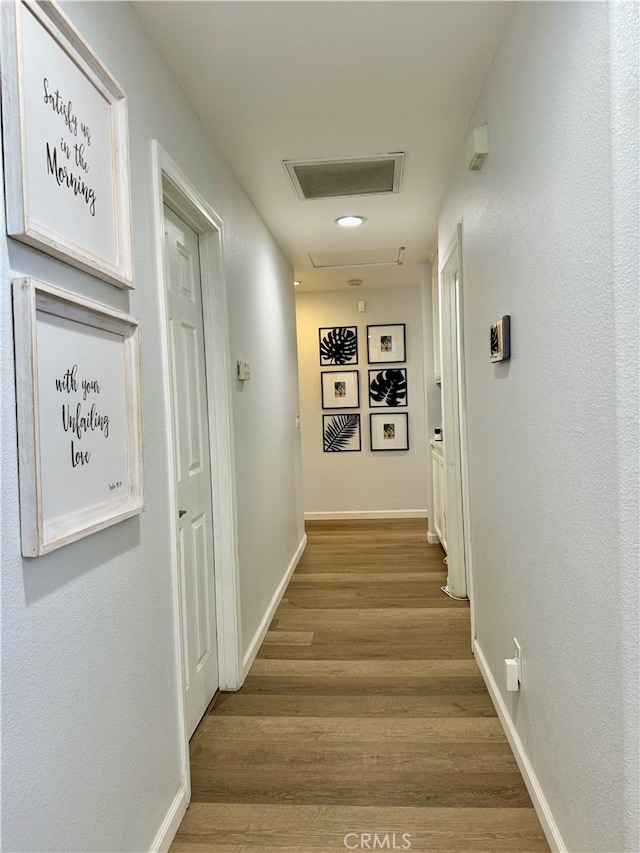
x=378, y=174
x=369, y=257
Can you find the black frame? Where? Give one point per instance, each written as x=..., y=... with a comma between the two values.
x=373, y=404
x=337, y=373
x=333, y=363
x=357, y=449
x=387, y=360
x=500, y=340
x=387, y=414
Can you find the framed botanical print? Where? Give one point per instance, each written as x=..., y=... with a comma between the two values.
x=340, y=389
x=341, y=433
x=389, y=431
x=386, y=343
x=338, y=345
x=388, y=387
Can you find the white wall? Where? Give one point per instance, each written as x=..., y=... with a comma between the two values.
x=365, y=484
x=90, y=734
x=550, y=237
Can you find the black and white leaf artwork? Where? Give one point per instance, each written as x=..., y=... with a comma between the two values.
x=341, y=433
x=388, y=387
x=339, y=345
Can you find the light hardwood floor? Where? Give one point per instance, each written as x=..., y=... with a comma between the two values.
x=364, y=719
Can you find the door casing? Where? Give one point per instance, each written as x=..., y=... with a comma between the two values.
x=451, y=284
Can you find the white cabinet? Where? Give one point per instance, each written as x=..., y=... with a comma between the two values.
x=439, y=483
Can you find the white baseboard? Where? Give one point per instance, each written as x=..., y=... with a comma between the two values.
x=530, y=779
x=167, y=832
x=374, y=513
x=260, y=634
x=433, y=538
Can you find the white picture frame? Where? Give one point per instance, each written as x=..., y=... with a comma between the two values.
x=79, y=415
x=66, y=148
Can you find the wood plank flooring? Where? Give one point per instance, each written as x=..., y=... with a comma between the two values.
x=364, y=722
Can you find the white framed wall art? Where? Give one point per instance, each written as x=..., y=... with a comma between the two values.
x=79, y=415
x=66, y=152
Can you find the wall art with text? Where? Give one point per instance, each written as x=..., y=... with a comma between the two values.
x=65, y=144
x=79, y=415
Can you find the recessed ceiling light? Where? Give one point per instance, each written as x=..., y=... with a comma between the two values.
x=296, y=283
x=349, y=221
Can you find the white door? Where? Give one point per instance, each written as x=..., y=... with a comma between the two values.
x=453, y=402
x=192, y=465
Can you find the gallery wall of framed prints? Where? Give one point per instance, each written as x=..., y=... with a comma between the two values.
x=386, y=388
x=67, y=183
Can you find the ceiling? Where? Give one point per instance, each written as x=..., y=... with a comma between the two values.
x=275, y=81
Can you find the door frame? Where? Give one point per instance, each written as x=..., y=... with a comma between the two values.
x=172, y=187
x=454, y=411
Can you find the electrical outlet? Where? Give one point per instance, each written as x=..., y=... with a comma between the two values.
x=517, y=654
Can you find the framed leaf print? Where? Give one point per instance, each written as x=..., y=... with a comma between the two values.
x=386, y=343
x=341, y=433
x=388, y=387
x=340, y=389
x=389, y=431
x=338, y=345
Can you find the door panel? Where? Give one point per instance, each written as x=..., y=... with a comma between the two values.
x=192, y=465
x=453, y=510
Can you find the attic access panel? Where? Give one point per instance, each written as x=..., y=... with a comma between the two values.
x=375, y=175
x=368, y=257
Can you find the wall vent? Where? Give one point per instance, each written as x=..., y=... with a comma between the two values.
x=378, y=174
x=369, y=257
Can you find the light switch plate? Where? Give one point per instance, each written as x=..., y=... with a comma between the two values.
x=244, y=370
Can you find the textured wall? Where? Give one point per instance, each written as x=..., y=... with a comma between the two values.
x=90, y=733
x=362, y=482
x=550, y=237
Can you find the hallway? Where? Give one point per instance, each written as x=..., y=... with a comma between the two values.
x=364, y=722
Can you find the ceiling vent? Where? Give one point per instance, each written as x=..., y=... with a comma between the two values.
x=376, y=175
x=370, y=257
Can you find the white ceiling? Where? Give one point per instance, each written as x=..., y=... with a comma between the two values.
x=274, y=81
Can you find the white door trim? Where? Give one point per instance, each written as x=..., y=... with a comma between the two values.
x=171, y=186
x=455, y=432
